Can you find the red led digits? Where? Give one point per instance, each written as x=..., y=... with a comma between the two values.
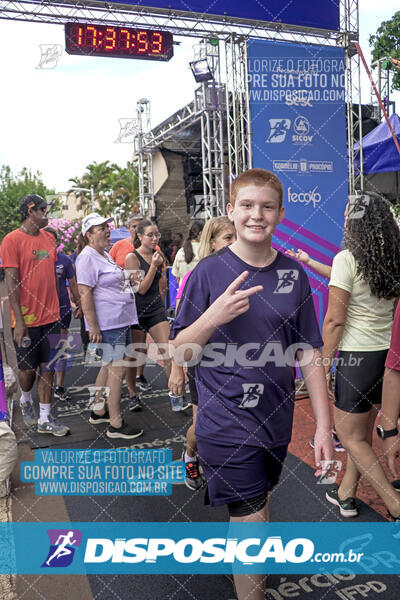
x=124, y=39
x=91, y=32
x=156, y=45
x=110, y=38
x=143, y=42
x=122, y=42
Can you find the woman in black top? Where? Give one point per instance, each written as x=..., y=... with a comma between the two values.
x=150, y=294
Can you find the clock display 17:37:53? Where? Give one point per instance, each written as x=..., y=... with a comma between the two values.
x=122, y=42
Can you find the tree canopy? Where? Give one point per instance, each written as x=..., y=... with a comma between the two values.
x=386, y=43
x=116, y=189
x=13, y=187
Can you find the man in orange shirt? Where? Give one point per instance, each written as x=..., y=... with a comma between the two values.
x=120, y=249
x=118, y=252
x=28, y=256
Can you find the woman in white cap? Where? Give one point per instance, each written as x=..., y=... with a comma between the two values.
x=109, y=309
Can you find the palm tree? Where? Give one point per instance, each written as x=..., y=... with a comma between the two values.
x=96, y=176
x=116, y=189
x=126, y=189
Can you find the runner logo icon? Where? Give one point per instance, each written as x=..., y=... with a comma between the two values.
x=287, y=279
x=252, y=393
x=63, y=543
x=278, y=130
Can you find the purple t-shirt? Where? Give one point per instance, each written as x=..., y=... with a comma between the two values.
x=246, y=376
x=114, y=304
x=64, y=270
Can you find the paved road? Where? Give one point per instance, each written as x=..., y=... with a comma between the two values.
x=297, y=497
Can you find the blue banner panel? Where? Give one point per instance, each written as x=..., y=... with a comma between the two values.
x=297, y=103
x=320, y=14
x=199, y=548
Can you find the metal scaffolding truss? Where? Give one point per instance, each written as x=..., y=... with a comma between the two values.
x=237, y=106
x=178, y=22
x=347, y=39
x=143, y=159
x=178, y=122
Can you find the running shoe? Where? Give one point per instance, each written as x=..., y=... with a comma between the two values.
x=60, y=393
x=95, y=419
x=125, y=432
x=53, y=426
x=347, y=507
x=142, y=384
x=28, y=414
x=392, y=518
x=396, y=485
x=194, y=480
x=337, y=445
x=135, y=404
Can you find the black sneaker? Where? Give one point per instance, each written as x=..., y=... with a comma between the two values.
x=142, y=384
x=347, y=507
x=194, y=480
x=125, y=432
x=135, y=404
x=396, y=485
x=392, y=518
x=60, y=393
x=95, y=419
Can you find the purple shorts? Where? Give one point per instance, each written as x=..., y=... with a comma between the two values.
x=235, y=473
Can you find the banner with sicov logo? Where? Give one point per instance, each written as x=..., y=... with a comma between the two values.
x=297, y=103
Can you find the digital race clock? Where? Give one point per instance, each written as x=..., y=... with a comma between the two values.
x=122, y=42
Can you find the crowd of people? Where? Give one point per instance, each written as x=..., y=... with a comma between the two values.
x=235, y=290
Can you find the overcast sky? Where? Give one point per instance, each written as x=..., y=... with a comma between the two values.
x=58, y=120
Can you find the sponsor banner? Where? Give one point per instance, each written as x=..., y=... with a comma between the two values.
x=125, y=472
x=319, y=14
x=196, y=548
x=297, y=103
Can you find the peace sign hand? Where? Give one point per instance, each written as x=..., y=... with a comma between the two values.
x=233, y=302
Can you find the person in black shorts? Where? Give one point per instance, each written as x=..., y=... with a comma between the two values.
x=29, y=257
x=218, y=232
x=364, y=283
x=246, y=400
x=150, y=293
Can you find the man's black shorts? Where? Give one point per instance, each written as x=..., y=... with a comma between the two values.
x=39, y=350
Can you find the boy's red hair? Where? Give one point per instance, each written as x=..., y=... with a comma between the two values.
x=258, y=177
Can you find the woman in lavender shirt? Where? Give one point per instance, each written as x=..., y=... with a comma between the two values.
x=108, y=305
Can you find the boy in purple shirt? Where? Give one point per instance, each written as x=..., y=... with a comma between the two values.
x=250, y=308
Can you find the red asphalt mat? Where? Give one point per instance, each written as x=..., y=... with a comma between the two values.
x=303, y=431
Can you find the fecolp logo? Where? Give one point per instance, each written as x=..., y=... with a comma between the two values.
x=312, y=197
x=63, y=543
x=191, y=550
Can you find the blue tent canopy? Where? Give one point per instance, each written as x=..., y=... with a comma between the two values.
x=119, y=234
x=380, y=154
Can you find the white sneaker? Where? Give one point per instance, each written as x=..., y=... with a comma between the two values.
x=28, y=414
x=53, y=426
